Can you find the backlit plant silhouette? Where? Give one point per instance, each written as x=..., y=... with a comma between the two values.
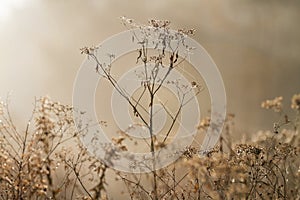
x=48, y=161
x=165, y=56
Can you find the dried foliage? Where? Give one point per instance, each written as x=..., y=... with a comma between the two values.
x=267, y=166
x=266, y=169
x=158, y=65
x=48, y=161
x=42, y=161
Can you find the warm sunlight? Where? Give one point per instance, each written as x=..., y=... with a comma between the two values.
x=8, y=6
x=151, y=100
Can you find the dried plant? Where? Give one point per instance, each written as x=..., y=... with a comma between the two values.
x=275, y=104
x=42, y=161
x=296, y=102
x=48, y=161
x=167, y=57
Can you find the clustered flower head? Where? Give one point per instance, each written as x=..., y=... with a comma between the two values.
x=126, y=20
x=204, y=123
x=296, y=102
x=88, y=50
x=159, y=23
x=274, y=104
x=119, y=143
x=187, y=31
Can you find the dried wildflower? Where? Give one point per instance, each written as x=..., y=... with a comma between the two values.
x=296, y=102
x=159, y=23
x=118, y=140
x=204, y=123
x=189, y=152
x=187, y=32
x=88, y=50
x=194, y=84
x=119, y=143
x=33, y=168
x=129, y=21
x=126, y=20
x=103, y=123
x=274, y=104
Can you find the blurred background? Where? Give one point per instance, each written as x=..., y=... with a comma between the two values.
x=255, y=44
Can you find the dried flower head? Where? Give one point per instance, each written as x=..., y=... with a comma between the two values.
x=296, y=102
x=159, y=23
x=126, y=20
x=274, y=104
x=194, y=84
x=187, y=31
x=88, y=50
x=118, y=140
x=204, y=123
x=119, y=143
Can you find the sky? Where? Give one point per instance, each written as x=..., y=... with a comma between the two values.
x=255, y=44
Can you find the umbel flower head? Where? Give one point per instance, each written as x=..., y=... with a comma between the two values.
x=296, y=102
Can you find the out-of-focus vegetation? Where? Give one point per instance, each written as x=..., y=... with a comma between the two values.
x=47, y=161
